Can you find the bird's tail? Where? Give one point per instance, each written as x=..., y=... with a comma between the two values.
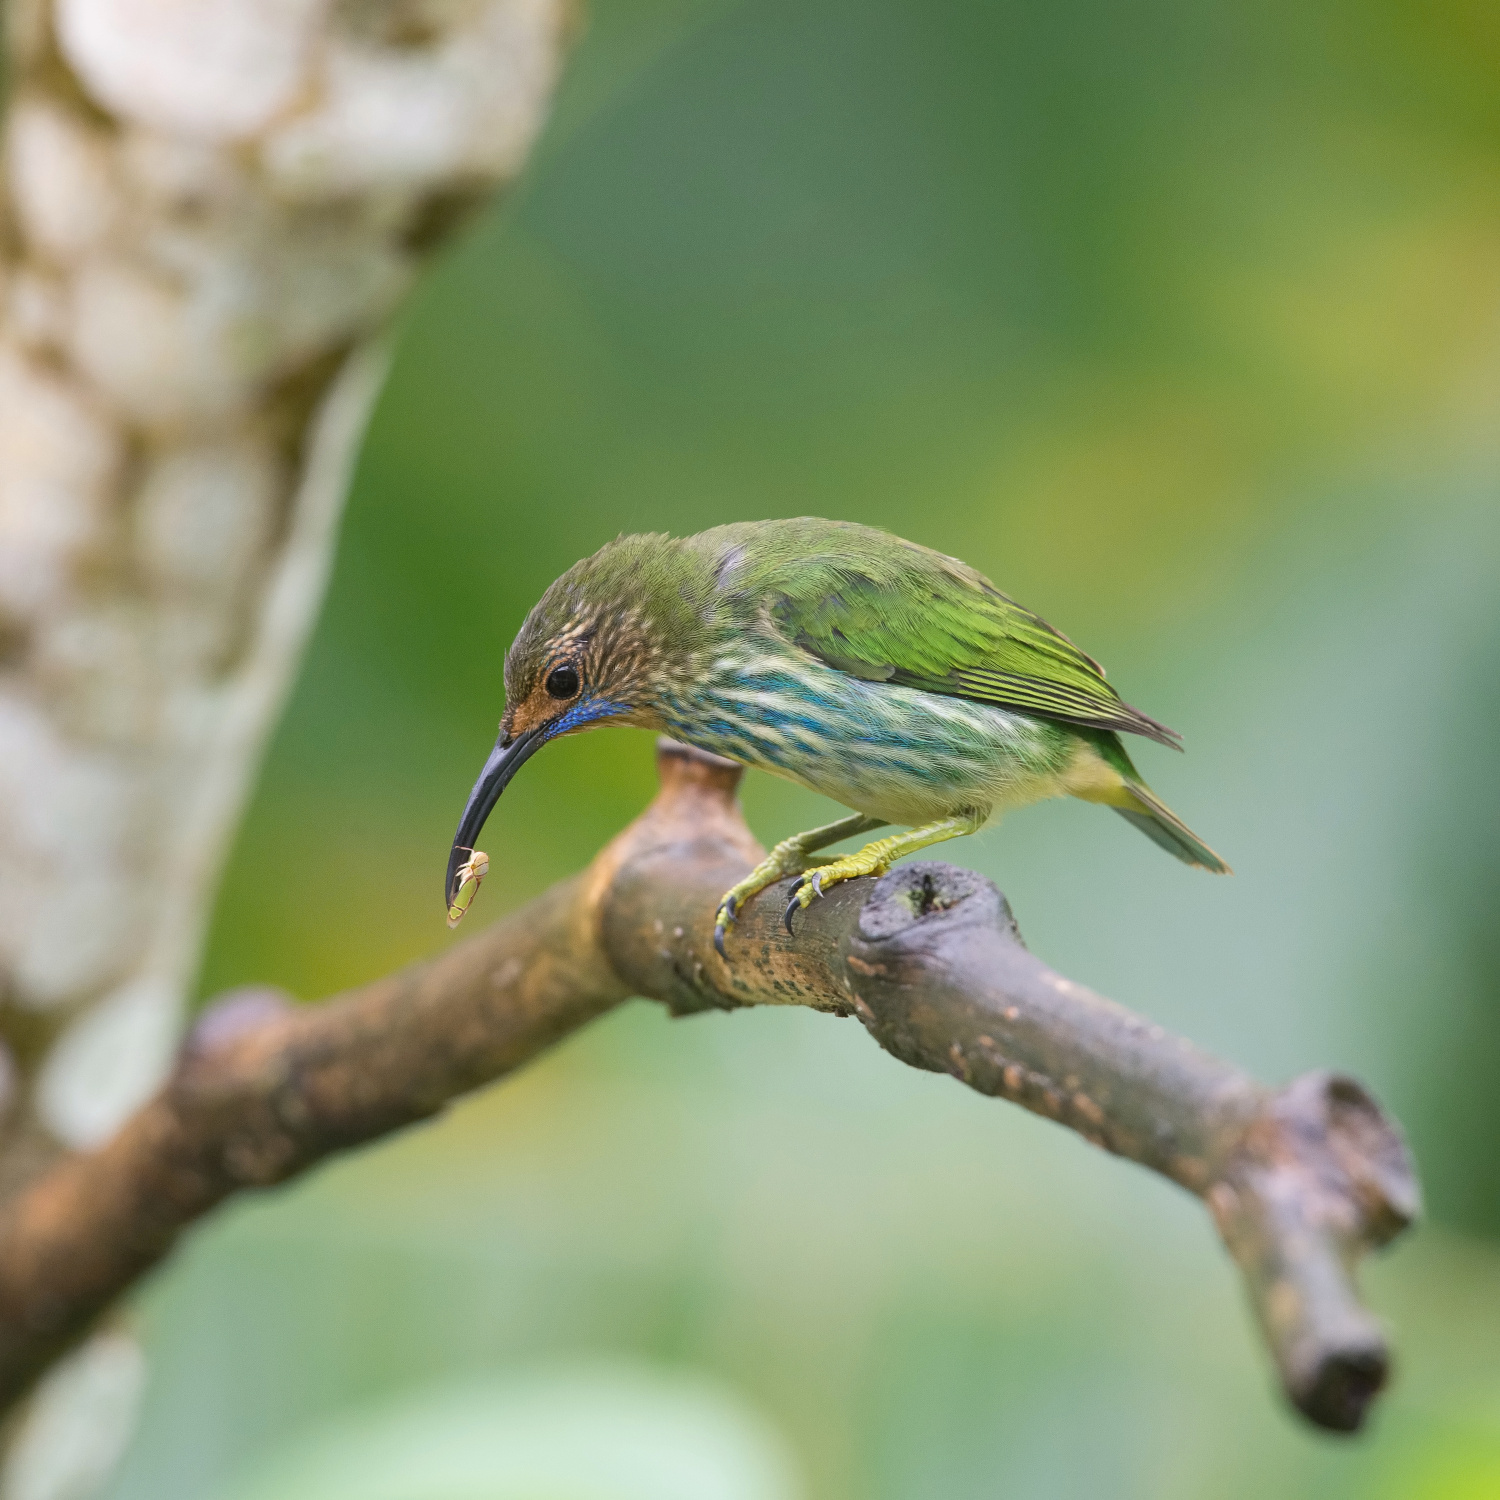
x=1142, y=808
x=1162, y=826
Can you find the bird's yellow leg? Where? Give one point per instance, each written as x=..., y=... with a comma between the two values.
x=790, y=857
x=877, y=858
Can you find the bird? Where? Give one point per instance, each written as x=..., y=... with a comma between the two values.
x=896, y=680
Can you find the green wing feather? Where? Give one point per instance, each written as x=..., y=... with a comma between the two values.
x=884, y=609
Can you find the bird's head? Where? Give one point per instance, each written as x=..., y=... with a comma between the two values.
x=599, y=647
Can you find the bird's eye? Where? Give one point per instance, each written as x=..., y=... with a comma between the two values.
x=562, y=682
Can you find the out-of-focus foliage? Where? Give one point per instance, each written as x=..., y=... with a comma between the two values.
x=1183, y=323
x=612, y=1434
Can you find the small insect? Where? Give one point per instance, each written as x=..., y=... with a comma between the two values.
x=468, y=877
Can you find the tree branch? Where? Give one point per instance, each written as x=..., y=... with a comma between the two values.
x=1300, y=1180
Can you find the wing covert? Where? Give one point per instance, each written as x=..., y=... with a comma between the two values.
x=918, y=619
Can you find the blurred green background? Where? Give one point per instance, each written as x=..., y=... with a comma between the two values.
x=1182, y=322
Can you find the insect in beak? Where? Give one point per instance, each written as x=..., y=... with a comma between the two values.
x=466, y=882
x=505, y=760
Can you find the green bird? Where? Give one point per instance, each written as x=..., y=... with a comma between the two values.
x=899, y=682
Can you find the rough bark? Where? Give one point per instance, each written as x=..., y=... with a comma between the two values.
x=211, y=209
x=1300, y=1180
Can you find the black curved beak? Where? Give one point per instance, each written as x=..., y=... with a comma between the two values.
x=505, y=760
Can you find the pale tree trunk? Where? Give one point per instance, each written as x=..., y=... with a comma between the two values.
x=212, y=208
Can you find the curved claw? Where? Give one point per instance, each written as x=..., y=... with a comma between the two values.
x=728, y=911
x=814, y=879
x=791, y=906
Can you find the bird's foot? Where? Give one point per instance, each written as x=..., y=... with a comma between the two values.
x=871, y=860
x=877, y=858
x=789, y=857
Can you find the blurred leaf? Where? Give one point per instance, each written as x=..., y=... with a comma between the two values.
x=603, y=1434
